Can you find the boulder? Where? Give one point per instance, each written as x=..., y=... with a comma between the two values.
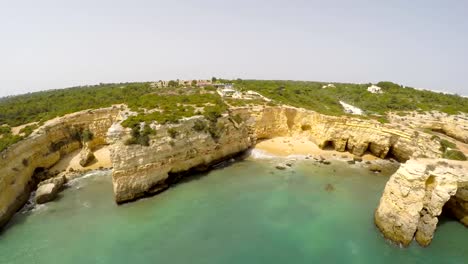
x=86, y=156
x=357, y=159
x=375, y=167
x=351, y=162
x=280, y=167
x=48, y=189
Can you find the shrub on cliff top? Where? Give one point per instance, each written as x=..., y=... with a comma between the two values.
x=445, y=144
x=454, y=154
x=140, y=136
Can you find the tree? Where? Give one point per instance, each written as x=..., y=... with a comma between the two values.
x=213, y=79
x=172, y=83
x=194, y=83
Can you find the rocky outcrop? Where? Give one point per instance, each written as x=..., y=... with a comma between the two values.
x=44, y=148
x=415, y=195
x=140, y=171
x=48, y=189
x=86, y=156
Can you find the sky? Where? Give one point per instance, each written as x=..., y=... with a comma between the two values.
x=56, y=44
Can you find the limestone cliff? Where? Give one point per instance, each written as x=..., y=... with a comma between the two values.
x=344, y=133
x=144, y=170
x=139, y=171
x=415, y=195
x=42, y=150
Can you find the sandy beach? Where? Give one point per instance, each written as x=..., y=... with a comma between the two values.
x=72, y=161
x=286, y=146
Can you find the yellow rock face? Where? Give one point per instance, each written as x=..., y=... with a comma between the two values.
x=414, y=196
x=142, y=170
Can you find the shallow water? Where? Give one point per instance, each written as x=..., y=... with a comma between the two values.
x=248, y=212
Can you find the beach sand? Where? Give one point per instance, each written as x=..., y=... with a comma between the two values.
x=286, y=146
x=72, y=161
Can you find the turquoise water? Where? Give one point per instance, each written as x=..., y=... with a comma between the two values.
x=248, y=212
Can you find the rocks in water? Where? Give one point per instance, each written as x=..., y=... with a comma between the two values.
x=375, y=167
x=86, y=156
x=326, y=162
x=357, y=159
x=426, y=228
x=280, y=167
x=329, y=187
x=48, y=190
x=351, y=162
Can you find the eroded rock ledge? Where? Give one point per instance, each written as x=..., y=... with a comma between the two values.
x=415, y=195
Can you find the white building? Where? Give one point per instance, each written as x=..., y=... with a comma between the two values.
x=330, y=85
x=374, y=89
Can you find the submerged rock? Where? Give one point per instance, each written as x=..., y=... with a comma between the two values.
x=329, y=187
x=280, y=167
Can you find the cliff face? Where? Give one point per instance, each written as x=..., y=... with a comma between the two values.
x=344, y=133
x=144, y=170
x=415, y=195
x=139, y=171
x=42, y=150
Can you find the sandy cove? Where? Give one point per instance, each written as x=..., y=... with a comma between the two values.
x=286, y=146
x=72, y=161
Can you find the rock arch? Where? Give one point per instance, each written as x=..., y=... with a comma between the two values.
x=415, y=195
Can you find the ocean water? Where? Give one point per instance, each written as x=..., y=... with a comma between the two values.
x=247, y=212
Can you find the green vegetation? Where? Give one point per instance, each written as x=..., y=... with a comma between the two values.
x=199, y=126
x=445, y=144
x=450, y=151
x=171, y=108
x=172, y=132
x=311, y=95
x=140, y=136
x=87, y=135
x=168, y=105
x=454, y=154
x=42, y=106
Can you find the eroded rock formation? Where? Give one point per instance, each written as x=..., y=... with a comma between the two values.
x=415, y=195
x=144, y=170
x=42, y=150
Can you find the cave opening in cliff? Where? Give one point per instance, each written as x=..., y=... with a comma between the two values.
x=328, y=145
x=391, y=155
x=306, y=127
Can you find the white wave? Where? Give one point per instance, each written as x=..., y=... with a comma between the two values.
x=39, y=207
x=75, y=182
x=260, y=154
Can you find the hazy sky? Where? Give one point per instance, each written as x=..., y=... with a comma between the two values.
x=55, y=44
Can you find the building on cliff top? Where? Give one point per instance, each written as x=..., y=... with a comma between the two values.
x=374, y=89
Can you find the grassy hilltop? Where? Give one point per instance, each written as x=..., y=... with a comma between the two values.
x=169, y=104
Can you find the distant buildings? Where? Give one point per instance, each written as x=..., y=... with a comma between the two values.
x=330, y=85
x=374, y=89
x=227, y=90
x=199, y=83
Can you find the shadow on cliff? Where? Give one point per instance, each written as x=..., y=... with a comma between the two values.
x=201, y=171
